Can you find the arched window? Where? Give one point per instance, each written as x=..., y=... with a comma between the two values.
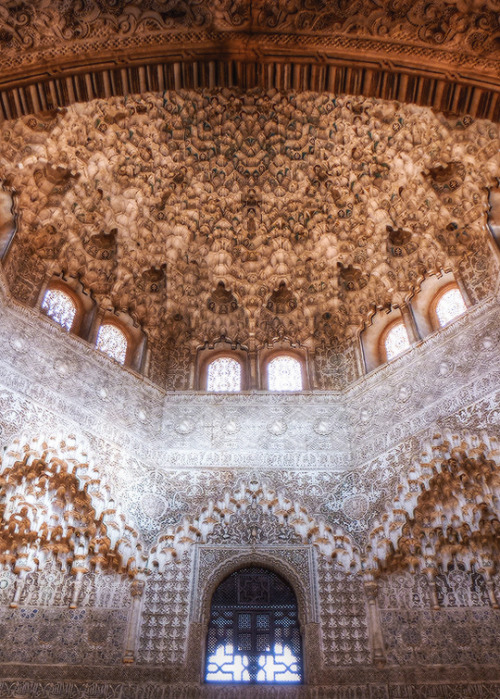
x=254, y=634
x=284, y=373
x=224, y=375
x=449, y=306
x=396, y=340
x=59, y=306
x=112, y=341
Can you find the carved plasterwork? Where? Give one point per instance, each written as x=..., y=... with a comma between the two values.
x=164, y=620
x=378, y=501
x=443, y=53
x=327, y=436
x=213, y=564
x=256, y=217
x=343, y=616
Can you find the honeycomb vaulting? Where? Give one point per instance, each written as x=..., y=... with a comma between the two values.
x=208, y=190
x=251, y=216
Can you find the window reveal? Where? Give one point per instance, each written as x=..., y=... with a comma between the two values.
x=254, y=635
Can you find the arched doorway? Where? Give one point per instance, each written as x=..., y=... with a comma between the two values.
x=254, y=634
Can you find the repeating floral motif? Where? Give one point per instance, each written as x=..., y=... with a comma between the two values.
x=163, y=632
x=428, y=637
x=343, y=617
x=52, y=635
x=120, y=690
x=39, y=27
x=460, y=628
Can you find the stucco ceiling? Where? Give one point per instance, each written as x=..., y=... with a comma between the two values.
x=249, y=215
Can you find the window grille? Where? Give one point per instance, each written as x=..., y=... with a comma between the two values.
x=396, y=341
x=284, y=373
x=450, y=306
x=254, y=634
x=112, y=342
x=224, y=375
x=60, y=307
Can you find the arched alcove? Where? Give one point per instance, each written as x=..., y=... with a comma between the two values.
x=297, y=576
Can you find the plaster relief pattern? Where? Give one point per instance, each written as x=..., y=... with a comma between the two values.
x=163, y=631
x=124, y=503
x=255, y=192
x=343, y=617
x=51, y=635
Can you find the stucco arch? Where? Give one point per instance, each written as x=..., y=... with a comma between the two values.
x=333, y=543
x=275, y=561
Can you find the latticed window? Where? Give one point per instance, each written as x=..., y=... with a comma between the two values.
x=284, y=373
x=60, y=307
x=450, y=306
x=254, y=634
x=224, y=374
x=396, y=341
x=112, y=342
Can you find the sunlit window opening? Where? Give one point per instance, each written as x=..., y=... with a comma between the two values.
x=254, y=635
x=396, y=341
x=284, y=374
x=226, y=666
x=60, y=307
x=450, y=306
x=224, y=375
x=112, y=342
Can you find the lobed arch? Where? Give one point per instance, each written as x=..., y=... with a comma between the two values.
x=173, y=542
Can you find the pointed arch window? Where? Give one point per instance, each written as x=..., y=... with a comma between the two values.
x=112, y=341
x=254, y=634
x=449, y=306
x=59, y=306
x=396, y=341
x=224, y=375
x=284, y=373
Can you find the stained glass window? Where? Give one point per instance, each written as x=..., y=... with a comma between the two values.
x=396, y=341
x=450, y=306
x=254, y=634
x=284, y=373
x=112, y=342
x=224, y=374
x=60, y=307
